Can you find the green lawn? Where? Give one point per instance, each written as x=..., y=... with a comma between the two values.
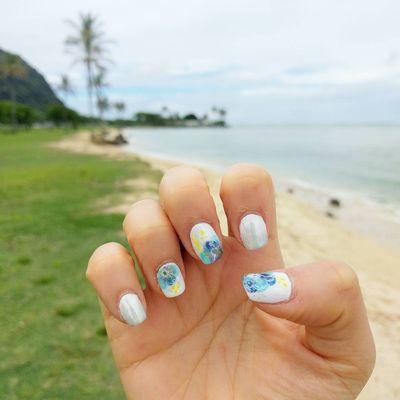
x=52, y=340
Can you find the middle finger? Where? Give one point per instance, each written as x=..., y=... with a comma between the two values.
x=186, y=199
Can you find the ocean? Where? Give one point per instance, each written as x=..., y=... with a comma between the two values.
x=360, y=165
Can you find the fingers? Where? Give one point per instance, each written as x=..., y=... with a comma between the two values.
x=326, y=298
x=248, y=196
x=156, y=246
x=186, y=199
x=111, y=271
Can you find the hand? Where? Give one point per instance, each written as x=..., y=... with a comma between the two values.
x=305, y=335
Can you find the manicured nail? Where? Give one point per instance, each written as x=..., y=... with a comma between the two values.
x=206, y=243
x=268, y=287
x=253, y=232
x=131, y=309
x=170, y=279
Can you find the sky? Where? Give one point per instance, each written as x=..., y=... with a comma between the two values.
x=266, y=62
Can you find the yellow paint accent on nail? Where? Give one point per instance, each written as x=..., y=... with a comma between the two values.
x=197, y=244
x=175, y=287
x=282, y=281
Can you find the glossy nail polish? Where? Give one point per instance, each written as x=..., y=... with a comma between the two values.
x=170, y=280
x=206, y=243
x=267, y=287
x=131, y=309
x=253, y=232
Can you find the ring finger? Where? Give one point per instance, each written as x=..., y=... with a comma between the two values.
x=156, y=247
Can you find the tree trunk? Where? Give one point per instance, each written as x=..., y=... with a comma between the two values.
x=89, y=88
x=98, y=97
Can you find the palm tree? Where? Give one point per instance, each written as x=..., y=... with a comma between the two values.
x=88, y=45
x=120, y=107
x=12, y=69
x=99, y=83
x=165, y=111
x=65, y=87
x=222, y=113
x=102, y=105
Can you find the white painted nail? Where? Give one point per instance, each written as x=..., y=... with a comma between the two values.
x=206, y=243
x=170, y=280
x=131, y=309
x=253, y=232
x=268, y=287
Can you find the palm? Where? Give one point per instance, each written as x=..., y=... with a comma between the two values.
x=213, y=343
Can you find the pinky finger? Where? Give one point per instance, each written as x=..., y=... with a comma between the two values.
x=111, y=272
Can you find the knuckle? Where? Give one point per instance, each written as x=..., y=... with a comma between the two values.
x=136, y=209
x=99, y=255
x=148, y=234
x=144, y=203
x=182, y=176
x=184, y=170
x=126, y=219
x=185, y=184
x=251, y=176
x=344, y=277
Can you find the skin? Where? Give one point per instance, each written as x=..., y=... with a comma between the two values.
x=212, y=342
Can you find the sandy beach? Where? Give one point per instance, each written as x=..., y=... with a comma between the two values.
x=306, y=235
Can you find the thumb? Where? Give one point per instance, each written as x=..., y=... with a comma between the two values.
x=326, y=298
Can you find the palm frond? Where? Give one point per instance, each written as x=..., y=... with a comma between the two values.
x=88, y=46
x=72, y=23
x=71, y=40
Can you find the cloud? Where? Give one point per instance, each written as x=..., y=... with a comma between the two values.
x=197, y=68
x=282, y=91
x=241, y=54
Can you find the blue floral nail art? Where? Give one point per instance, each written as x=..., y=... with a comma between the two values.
x=170, y=280
x=206, y=243
x=268, y=287
x=258, y=282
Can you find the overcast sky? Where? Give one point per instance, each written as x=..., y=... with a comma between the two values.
x=282, y=61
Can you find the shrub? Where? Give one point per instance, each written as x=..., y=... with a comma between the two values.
x=190, y=117
x=24, y=115
x=153, y=119
x=59, y=115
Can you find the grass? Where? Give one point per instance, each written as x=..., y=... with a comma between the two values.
x=52, y=340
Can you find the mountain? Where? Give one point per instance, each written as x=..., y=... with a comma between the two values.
x=33, y=90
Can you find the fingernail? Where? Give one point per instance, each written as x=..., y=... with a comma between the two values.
x=131, y=309
x=170, y=279
x=253, y=232
x=267, y=287
x=206, y=243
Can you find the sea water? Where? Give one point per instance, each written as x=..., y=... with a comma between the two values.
x=354, y=163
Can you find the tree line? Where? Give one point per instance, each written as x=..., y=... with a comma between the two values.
x=88, y=46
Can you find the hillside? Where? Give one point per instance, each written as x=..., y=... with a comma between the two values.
x=33, y=90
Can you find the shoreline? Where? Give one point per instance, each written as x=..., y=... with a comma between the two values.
x=307, y=235
x=351, y=208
